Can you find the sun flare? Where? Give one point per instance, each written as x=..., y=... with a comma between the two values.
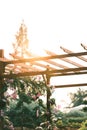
x=37, y=51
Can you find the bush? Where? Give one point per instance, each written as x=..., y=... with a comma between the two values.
x=83, y=126
x=75, y=125
x=77, y=119
x=59, y=123
x=76, y=114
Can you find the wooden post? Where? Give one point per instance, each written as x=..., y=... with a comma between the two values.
x=1, y=85
x=48, y=98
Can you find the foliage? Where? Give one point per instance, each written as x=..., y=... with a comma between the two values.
x=76, y=113
x=28, y=104
x=59, y=114
x=2, y=103
x=75, y=118
x=71, y=119
x=46, y=125
x=77, y=98
x=28, y=115
x=83, y=125
x=27, y=86
x=60, y=123
x=69, y=122
x=85, y=109
x=21, y=44
x=8, y=125
x=75, y=124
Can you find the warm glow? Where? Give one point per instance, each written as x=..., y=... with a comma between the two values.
x=51, y=24
x=37, y=51
x=38, y=48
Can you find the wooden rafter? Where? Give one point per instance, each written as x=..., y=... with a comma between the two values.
x=56, y=64
x=66, y=60
x=56, y=71
x=84, y=46
x=69, y=51
x=69, y=73
x=70, y=85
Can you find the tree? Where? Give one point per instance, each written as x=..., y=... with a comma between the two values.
x=21, y=44
x=78, y=97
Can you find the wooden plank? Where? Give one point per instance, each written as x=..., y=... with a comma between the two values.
x=64, y=59
x=45, y=58
x=84, y=46
x=56, y=64
x=56, y=71
x=72, y=62
x=70, y=85
x=67, y=74
x=1, y=53
x=69, y=51
x=42, y=65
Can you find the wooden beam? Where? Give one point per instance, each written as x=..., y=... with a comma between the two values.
x=67, y=74
x=84, y=46
x=69, y=51
x=45, y=58
x=71, y=85
x=56, y=71
x=72, y=62
x=64, y=59
x=42, y=65
x=56, y=64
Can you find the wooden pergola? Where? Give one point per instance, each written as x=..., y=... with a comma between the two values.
x=45, y=65
x=51, y=65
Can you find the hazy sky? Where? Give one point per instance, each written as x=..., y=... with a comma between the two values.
x=50, y=23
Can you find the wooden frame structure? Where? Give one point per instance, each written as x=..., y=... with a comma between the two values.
x=50, y=65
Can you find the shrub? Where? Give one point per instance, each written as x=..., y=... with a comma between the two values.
x=83, y=126
x=59, y=123
x=76, y=114
x=75, y=124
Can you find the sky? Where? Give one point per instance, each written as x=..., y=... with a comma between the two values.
x=50, y=23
